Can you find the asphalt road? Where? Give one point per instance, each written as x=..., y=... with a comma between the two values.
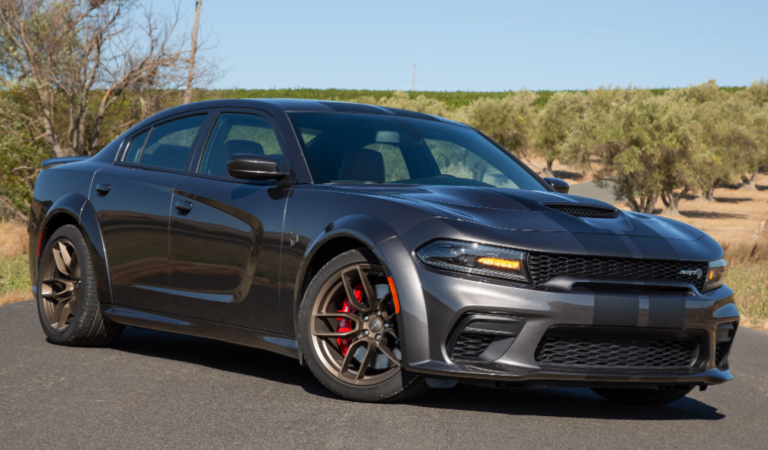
x=157, y=390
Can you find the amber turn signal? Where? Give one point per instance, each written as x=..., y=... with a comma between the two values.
x=513, y=264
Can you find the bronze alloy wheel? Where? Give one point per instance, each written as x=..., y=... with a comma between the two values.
x=353, y=326
x=60, y=289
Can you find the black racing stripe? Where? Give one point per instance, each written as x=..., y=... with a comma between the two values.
x=666, y=311
x=616, y=310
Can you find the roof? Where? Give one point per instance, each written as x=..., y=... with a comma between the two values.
x=275, y=105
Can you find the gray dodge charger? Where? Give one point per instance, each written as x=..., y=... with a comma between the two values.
x=388, y=251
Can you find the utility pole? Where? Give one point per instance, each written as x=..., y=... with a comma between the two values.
x=191, y=74
x=413, y=87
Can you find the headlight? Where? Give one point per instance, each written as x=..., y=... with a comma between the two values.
x=476, y=259
x=715, y=275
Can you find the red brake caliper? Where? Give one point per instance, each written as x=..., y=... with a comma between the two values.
x=348, y=324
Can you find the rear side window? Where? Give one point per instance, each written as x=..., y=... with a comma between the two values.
x=168, y=144
x=134, y=148
x=236, y=133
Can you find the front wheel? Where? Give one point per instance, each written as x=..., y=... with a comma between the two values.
x=348, y=332
x=643, y=397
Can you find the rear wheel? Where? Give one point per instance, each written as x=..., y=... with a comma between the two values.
x=67, y=302
x=348, y=332
x=643, y=397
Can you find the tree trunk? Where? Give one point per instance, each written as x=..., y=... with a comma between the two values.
x=748, y=183
x=711, y=192
x=548, y=170
x=753, y=180
x=647, y=204
x=672, y=202
x=191, y=74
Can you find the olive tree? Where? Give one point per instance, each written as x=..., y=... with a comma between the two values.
x=725, y=139
x=509, y=120
x=645, y=145
x=556, y=121
x=757, y=95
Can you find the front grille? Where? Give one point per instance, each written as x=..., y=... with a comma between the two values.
x=602, y=352
x=584, y=210
x=544, y=267
x=469, y=346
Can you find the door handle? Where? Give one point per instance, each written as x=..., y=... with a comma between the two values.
x=182, y=206
x=103, y=189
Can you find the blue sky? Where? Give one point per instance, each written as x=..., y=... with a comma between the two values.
x=483, y=45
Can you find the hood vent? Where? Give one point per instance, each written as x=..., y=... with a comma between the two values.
x=582, y=210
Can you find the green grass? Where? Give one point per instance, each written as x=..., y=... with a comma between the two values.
x=14, y=274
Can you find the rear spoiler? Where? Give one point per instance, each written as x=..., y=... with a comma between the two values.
x=48, y=163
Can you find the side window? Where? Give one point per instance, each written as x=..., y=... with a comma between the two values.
x=457, y=161
x=236, y=133
x=169, y=143
x=134, y=148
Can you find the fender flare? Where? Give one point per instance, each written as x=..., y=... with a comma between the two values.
x=398, y=264
x=81, y=210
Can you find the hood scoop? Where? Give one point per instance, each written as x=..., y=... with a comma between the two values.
x=584, y=210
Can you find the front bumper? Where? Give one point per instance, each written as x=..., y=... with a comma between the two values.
x=450, y=297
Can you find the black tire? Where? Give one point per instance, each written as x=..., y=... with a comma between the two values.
x=402, y=386
x=87, y=327
x=643, y=397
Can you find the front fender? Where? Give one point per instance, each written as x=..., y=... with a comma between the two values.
x=81, y=211
x=384, y=242
x=367, y=229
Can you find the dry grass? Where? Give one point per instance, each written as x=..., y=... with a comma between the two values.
x=748, y=277
x=14, y=269
x=13, y=239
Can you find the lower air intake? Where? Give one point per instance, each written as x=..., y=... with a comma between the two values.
x=469, y=346
x=620, y=353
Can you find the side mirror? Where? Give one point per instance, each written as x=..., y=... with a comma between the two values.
x=253, y=167
x=559, y=185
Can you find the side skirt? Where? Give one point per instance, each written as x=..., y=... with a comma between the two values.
x=201, y=328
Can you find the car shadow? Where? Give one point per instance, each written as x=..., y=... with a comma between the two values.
x=561, y=402
x=219, y=355
x=550, y=402
x=705, y=214
x=565, y=174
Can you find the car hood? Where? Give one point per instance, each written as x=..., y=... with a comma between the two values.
x=523, y=210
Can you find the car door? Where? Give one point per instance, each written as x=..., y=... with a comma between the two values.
x=225, y=233
x=132, y=199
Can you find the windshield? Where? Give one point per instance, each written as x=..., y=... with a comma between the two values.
x=354, y=148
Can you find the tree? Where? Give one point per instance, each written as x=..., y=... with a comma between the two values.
x=555, y=122
x=77, y=58
x=757, y=95
x=645, y=146
x=725, y=140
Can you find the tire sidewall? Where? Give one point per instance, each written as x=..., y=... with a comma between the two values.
x=386, y=390
x=86, y=283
